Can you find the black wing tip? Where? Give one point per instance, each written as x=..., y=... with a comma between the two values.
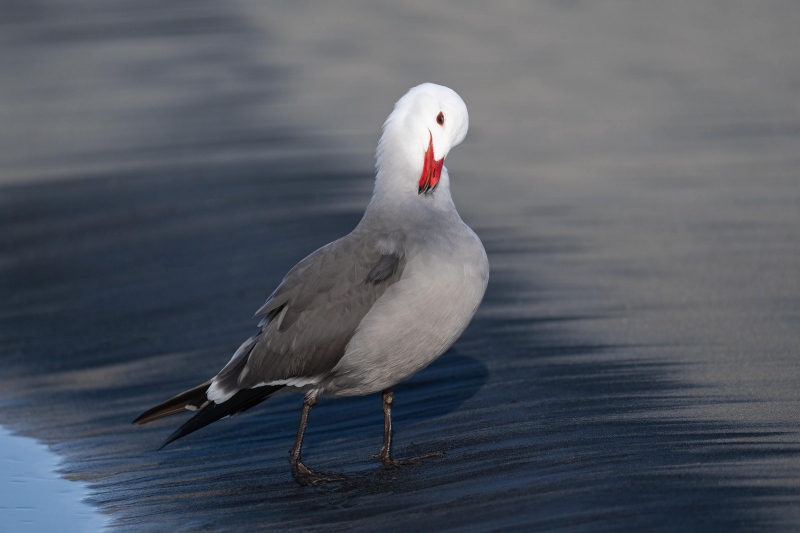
x=241, y=401
x=177, y=404
x=144, y=418
x=190, y=426
x=172, y=438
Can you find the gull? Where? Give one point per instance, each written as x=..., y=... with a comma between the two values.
x=369, y=310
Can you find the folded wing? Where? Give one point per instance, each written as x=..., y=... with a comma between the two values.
x=311, y=317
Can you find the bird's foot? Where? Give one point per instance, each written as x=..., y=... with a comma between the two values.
x=388, y=462
x=305, y=476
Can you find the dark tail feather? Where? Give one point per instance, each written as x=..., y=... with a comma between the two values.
x=241, y=401
x=195, y=397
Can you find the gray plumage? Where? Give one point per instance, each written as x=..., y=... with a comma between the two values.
x=369, y=310
x=313, y=314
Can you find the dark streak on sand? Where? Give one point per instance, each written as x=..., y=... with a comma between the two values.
x=117, y=296
x=634, y=365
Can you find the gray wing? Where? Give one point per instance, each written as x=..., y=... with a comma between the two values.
x=313, y=314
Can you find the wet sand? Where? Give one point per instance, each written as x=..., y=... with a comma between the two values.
x=631, y=170
x=34, y=497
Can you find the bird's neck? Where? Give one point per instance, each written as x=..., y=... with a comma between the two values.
x=399, y=163
x=397, y=204
x=396, y=201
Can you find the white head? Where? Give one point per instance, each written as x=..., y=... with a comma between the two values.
x=425, y=124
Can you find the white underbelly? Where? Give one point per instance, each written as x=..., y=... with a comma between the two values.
x=415, y=321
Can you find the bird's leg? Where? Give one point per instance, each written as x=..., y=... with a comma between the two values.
x=301, y=473
x=385, y=454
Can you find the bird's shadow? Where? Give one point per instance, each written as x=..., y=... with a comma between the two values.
x=342, y=436
x=432, y=393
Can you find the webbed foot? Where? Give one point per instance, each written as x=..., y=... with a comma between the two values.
x=387, y=461
x=305, y=476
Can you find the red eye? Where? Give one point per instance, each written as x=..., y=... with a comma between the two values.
x=440, y=118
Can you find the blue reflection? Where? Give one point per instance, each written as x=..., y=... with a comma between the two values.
x=33, y=497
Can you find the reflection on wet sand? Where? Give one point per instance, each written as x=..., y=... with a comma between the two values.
x=34, y=497
x=632, y=173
